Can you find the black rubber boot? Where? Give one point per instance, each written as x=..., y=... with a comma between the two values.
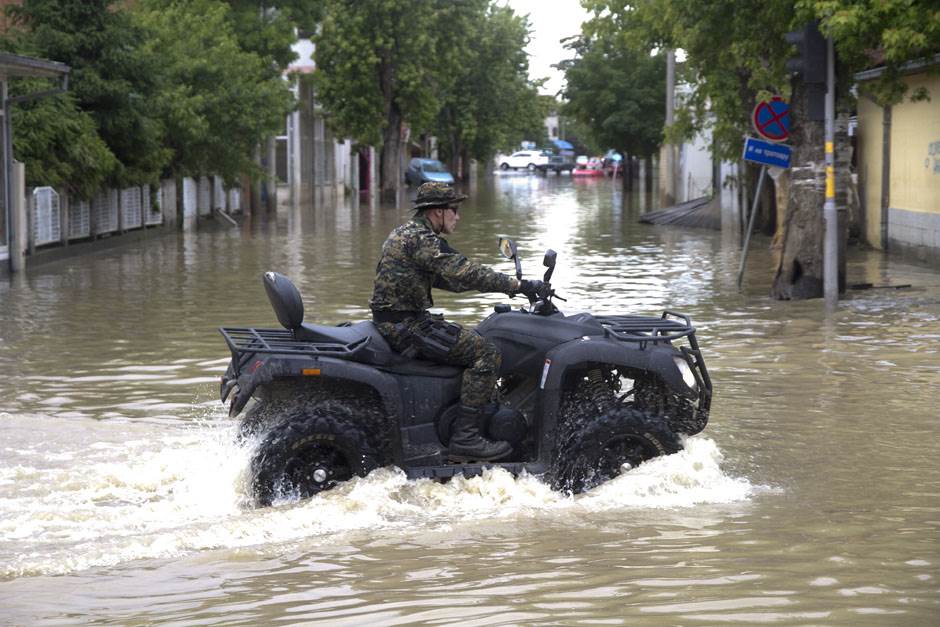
x=466, y=443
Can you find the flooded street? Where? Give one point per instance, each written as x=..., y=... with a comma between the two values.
x=812, y=497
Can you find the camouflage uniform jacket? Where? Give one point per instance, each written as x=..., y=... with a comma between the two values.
x=415, y=259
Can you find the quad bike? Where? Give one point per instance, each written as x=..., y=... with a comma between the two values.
x=581, y=398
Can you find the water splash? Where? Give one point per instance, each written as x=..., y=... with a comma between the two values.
x=141, y=496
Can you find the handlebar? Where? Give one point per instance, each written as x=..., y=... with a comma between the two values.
x=547, y=307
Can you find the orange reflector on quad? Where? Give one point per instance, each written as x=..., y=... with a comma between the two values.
x=311, y=372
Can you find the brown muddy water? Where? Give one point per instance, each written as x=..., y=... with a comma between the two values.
x=813, y=496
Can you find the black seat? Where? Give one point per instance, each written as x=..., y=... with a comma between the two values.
x=377, y=352
x=344, y=334
x=289, y=308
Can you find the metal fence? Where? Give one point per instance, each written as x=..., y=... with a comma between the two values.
x=104, y=209
x=205, y=196
x=55, y=219
x=80, y=219
x=153, y=213
x=131, y=210
x=46, y=220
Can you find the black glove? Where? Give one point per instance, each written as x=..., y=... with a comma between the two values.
x=534, y=289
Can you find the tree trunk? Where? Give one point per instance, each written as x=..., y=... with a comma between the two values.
x=457, y=157
x=799, y=273
x=391, y=157
x=465, y=162
x=390, y=174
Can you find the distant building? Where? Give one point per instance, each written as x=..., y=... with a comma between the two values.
x=697, y=173
x=309, y=158
x=553, y=126
x=898, y=163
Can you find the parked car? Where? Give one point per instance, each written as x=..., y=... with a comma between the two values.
x=425, y=170
x=528, y=159
x=557, y=164
x=593, y=167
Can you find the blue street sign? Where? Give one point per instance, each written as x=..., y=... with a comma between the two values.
x=767, y=153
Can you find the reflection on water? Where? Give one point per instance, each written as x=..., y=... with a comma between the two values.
x=812, y=497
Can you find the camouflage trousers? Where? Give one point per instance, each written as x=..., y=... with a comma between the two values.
x=479, y=357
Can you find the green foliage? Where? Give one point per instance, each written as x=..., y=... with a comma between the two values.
x=59, y=144
x=454, y=69
x=377, y=58
x=616, y=92
x=215, y=99
x=110, y=79
x=267, y=30
x=491, y=104
x=870, y=33
x=156, y=86
x=735, y=50
x=580, y=136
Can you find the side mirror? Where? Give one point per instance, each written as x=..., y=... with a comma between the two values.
x=549, y=262
x=508, y=249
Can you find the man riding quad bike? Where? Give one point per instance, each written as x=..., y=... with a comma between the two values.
x=579, y=399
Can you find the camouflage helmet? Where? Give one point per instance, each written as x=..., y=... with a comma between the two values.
x=435, y=194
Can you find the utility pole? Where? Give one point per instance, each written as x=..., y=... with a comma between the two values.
x=667, y=154
x=831, y=241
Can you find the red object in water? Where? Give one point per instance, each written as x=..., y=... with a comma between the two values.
x=587, y=172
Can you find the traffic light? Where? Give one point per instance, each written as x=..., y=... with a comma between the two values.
x=810, y=62
x=810, y=65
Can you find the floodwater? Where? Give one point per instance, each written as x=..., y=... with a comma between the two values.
x=813, y=496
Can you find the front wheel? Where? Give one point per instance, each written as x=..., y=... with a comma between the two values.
x=504, y=166
x=307, y=453
x=600, y=449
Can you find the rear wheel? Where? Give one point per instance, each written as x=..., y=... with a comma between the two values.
x=307, y=453
x=531, y=167
x=599, y=449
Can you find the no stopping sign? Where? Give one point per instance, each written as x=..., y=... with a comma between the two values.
x=771, y=119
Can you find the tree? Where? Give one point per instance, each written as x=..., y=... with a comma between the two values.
x=59, y=144
x=268, y=29
x=110, y=78
x=216, y=100
x=617, y=93
x=735, y=52
x=379, y=64
x=869, y=33
x=491, y=104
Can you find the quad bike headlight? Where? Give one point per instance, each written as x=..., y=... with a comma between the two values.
x=688, y=377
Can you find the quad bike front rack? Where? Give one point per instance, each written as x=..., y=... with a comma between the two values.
x=649, y=329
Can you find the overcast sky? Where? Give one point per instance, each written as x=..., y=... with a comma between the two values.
x=551, y=21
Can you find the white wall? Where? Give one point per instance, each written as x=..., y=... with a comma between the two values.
x=695, y=169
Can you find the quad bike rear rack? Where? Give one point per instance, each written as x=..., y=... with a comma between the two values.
x=242, y=340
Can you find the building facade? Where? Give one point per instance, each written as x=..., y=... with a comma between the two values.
x=313, y=163
x=898, y=161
